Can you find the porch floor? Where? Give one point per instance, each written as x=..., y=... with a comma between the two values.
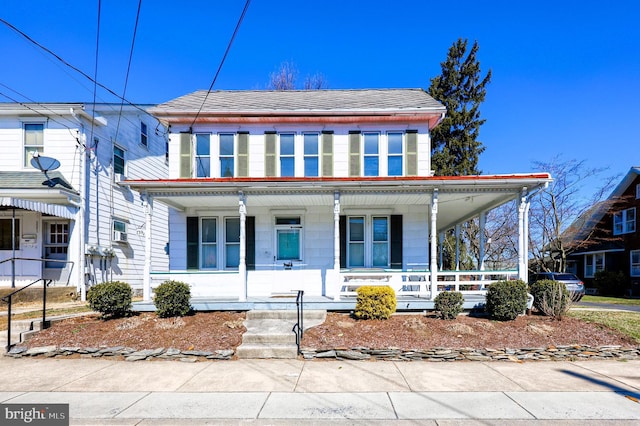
x=345, y=304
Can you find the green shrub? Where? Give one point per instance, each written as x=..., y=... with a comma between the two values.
x=611, y=283
x=506, y=300
x=375, y=302
x=112, y=299
x=172, y=299
x=449, y=304
x=550, y=297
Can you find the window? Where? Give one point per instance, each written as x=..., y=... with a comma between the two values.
x=371, y=154
x=624, y=222
x=118, y=160
x=311, y=166
x=208, y=244
x=144, y=141
x=368, y=241
x=232, y=242
x=119, y=231
x=56, y=243
x=635, y=263
x=226, y=155
x=166, y=150
x=638, y=191
x=394, y=155
x=593, y=263
x=288, y=238
x=287, y=154
x=6, y=241
x=33, y=141
x=203, y=155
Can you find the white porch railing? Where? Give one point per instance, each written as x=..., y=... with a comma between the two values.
x=471, y=282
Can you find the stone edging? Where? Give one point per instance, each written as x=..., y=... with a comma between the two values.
x=551, y=353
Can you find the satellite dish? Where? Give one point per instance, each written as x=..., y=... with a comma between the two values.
x=45, y=164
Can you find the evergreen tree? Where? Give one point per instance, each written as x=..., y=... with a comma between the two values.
x=461, y=89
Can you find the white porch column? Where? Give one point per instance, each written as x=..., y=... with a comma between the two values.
x=146, y=279
x=433, y=263
x=336, y=245
x=481, y=254
x=525, y=274
x=457, y=230
x=522, y=266
x=242, y=266
x=441, y=250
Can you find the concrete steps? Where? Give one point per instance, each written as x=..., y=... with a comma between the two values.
x=270, y=333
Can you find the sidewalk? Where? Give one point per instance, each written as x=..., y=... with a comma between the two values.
x=274, y=392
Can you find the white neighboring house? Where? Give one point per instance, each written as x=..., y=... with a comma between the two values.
x=79, y=212
x=321, y=191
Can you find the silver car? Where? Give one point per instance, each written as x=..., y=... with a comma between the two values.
x=573, y=283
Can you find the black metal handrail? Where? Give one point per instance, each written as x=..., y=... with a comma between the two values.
x=45, y=283
x=298, y=327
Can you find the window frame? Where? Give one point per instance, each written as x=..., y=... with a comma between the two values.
x=228, y=243
x=288, y=156
x=635, y=264
x=5, y=222
x=202, y=161
x=144, y=134
x=117, y=169
x=231, y=156
x=370, y=159
x=28, y=148
x=395, y=155
x=591, y=267
x=57, y=247
x=205, y=244
x=622, y=224
x=308, y=157
x=298, y=226
x=638, y=191
x=369, y=242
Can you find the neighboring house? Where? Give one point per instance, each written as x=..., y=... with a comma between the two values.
x=78, y=213
x=321, y=191
x=609, y=239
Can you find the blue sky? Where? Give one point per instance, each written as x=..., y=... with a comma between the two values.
x=566, y=74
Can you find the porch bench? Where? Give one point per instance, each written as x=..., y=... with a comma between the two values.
x=355, y=281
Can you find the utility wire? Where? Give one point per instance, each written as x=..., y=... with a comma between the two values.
x=244, y=11
x=95, y=72
x=126, y=79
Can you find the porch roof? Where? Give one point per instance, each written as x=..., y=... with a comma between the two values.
x=460, y=198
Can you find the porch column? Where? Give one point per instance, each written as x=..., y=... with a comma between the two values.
x=522, y=265
x=242, y=265
x=146, y=279
x=336, y=245
x=441, y=250
x=457, y=230
x=481, y=254
x=433, y=265
x=525, y=246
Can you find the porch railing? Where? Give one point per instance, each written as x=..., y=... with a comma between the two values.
x=298, y=327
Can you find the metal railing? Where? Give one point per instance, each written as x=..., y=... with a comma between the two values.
x=298, y=327
x=45, y=283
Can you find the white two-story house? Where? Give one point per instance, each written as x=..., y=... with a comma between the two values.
x=321, y=191
x=63, y=214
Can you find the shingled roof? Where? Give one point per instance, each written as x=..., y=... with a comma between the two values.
x=303, y=101
x=32, y=180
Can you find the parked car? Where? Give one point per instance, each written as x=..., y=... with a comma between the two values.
x=573, y=283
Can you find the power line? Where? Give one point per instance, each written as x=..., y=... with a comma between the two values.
x=95, y=71
x=244, y=11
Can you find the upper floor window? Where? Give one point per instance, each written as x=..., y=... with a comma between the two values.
x=118, y=160
x=203, y=155
x=371, y=154
x=33, y=140
x=144, y=141
x=287, y=154
x=635, y=263
x=638, y=191
x=394, y=154
x=311, y=157
x=624, y=222
x=227, y=155
x=6, y=238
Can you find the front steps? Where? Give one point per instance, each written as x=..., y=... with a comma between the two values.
x=269, y=333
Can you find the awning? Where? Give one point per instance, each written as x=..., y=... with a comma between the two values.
x=58, y=210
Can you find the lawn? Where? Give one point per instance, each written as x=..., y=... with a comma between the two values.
x=611, y=300
x=626, y=322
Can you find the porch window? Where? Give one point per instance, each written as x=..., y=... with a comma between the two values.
x=368, y=242
x=118, y=160
x=5, y=234
x=144, y=139
x=227, y=155
x=56, y=243
x=394, y=155
x=356, y=241
x=208, y=243
x=593, y=263
x=635, y=263
x=33, y=141
x=624, y=222
x=311, y=163
x=288, y=238
x=287, y=154
x=371, y=154
x=380, y=257
x=232, y=242
x=203, y=155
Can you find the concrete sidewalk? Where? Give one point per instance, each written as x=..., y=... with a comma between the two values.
x=273, y=392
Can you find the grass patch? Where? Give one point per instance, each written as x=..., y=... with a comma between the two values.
x=611, y=300
x=625, y=322
x=38, y=314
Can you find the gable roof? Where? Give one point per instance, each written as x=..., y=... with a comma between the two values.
x=32, y=180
